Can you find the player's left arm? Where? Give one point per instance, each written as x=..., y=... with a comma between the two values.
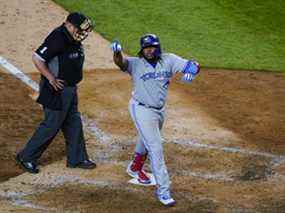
x=189, y=68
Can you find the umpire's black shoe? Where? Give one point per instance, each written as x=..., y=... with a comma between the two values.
x=87, y=164
x=27, y=165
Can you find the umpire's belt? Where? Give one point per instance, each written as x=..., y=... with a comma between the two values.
x=151, y=107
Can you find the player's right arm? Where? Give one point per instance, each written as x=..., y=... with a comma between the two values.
x=118, y=57
x=57, y=84
x=51, y=47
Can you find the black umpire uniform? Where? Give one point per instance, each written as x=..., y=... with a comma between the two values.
x=64, y=56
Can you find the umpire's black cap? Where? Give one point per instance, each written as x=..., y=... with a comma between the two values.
x=79, y=20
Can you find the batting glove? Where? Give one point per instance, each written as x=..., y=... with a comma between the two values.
x=192, y=67
x=116, y=47
x=188, y=77
x=191, y=70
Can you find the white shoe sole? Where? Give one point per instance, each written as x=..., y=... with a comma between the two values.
x=136, y=176
x=168, y=202
x=131, y=173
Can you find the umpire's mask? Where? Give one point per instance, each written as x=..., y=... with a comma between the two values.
x=82, y=23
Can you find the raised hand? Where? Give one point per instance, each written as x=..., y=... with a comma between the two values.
x=116, y=46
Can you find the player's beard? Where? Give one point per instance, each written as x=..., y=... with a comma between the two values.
x=152, y=60
x=150, y=56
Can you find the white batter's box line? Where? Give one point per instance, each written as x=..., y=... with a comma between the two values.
x=92, y=128
x=209, y=176
x=16, y=199
x=277, y=162
x=29, y=204
x=229, y=149
x=18, y=74
x=12, y=195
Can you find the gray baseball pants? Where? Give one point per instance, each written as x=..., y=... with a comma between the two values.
x=148, y=123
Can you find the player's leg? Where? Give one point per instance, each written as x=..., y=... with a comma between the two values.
x=140, y=147
x=135, y=167
x=140, y=151
x=164, y=197
x=148, y=124
x=140, y=155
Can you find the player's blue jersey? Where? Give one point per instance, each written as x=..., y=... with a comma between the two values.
x=150, y=85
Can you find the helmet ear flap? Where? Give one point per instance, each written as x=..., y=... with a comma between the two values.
x=157, y=52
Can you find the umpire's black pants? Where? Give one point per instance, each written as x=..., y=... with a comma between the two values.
x=69, y=121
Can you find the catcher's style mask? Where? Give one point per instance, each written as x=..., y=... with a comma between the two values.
x=82, y=23
x=150, y=40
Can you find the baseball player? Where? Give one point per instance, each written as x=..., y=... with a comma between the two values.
x=60, y=61
x=151, y=72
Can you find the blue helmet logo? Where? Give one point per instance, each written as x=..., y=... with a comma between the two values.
x=146, y=39
x=149, y=40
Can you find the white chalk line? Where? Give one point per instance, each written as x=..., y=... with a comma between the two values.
x=276, y=159
x=19, y=74
x=92, y=128
x=29, y=204
x=209, y=176
x=16, y=198
x=227, y=149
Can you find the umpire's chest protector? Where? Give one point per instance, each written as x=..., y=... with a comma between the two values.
x=70, y=64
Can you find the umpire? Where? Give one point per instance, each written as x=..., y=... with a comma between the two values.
x=60, y=61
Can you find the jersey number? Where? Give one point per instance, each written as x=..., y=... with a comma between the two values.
x=43, y=50
x=166, y=85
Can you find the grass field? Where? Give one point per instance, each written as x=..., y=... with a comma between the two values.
x=245, y=34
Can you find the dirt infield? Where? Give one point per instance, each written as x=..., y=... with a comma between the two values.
x=224, y=134
x=208, y=178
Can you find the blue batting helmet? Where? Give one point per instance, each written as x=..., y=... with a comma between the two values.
x=150, y=40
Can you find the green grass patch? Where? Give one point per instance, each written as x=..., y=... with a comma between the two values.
x=244, y=34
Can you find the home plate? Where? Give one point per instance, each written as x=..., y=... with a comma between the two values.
x=136, y=182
